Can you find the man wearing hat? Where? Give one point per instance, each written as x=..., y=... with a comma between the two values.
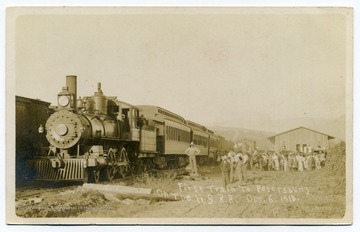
x=225, y=169
x=244, y=164
x=300, y=161
x=192, y=152
x=231, y=158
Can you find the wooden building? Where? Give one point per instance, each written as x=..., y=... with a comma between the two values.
x=299, y=138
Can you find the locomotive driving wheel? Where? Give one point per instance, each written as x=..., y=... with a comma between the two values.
x=111, y=168
x=124, y=162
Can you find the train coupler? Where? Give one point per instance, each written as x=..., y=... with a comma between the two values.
x=57, y=163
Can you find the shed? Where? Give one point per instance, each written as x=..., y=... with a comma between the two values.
x=298, y=138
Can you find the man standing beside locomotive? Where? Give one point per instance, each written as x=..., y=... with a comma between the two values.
x=192, y=152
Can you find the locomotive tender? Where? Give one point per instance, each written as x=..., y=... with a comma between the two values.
x=99, y=136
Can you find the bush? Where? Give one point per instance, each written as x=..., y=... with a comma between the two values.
x=164, y=181
x=336, y=160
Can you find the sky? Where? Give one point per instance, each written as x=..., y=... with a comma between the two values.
x=240, y=69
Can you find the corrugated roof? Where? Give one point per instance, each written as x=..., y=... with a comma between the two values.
x=330, y=137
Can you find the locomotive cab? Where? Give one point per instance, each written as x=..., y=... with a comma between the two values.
x=129, y=118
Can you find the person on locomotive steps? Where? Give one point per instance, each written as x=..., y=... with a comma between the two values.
x=192, y=152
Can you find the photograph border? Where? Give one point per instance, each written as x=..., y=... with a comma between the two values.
x=12, y=13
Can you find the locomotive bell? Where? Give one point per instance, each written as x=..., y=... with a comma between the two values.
x=80, y=104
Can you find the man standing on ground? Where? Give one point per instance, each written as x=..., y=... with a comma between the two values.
x=225, y=169
x=192, y=152
x=244, y=164
x=231, y=157
x=238, y=161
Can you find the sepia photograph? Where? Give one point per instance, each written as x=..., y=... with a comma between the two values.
x=179, y=115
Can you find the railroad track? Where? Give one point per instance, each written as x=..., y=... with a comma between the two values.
x=37, y=192
x=39, y=187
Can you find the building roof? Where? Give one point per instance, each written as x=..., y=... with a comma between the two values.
x=31, y=100
x=330, y=137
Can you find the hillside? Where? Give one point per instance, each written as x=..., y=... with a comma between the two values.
x=333, y=127
x=232, y=134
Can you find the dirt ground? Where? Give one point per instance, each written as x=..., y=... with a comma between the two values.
x=266, y=194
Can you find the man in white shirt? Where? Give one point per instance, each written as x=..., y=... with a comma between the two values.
x=192, y=152
x=238, y=162
x=244, y=163
x=231, y=157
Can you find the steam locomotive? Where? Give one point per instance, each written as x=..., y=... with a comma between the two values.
x=99, y=137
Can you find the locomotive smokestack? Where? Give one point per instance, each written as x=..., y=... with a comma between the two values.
x=99, y=87
x=71, y=84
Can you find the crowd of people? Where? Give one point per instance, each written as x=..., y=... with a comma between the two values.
x=289, y=161
x=234, y=164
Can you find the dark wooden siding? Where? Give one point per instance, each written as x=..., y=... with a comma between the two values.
x=30, y=113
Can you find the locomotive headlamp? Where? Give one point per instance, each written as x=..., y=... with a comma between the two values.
x=63, y=101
